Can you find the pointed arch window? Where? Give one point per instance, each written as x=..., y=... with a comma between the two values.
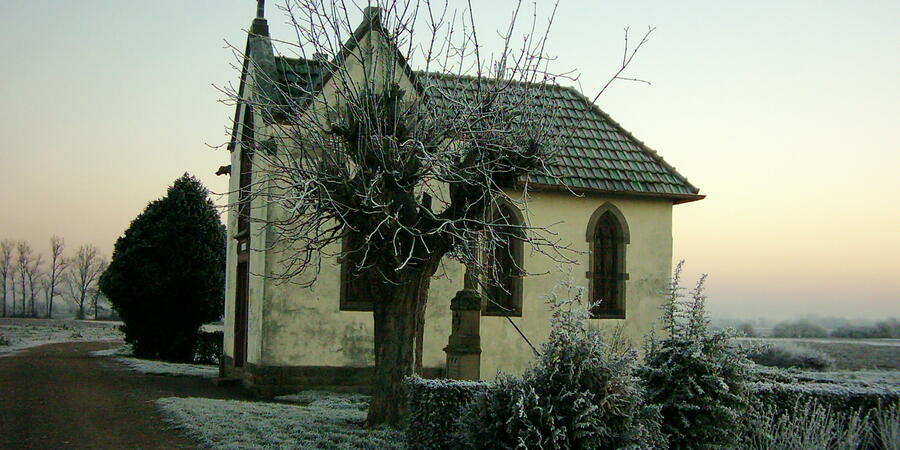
x=245, y=177
x=608, y=236
x=504, y=263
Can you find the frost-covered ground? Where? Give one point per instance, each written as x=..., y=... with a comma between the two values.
x=848, y=354
x=325, y=420
x=123, y=355
x=19, y=334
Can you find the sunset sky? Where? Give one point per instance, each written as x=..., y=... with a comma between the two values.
x=786, y=114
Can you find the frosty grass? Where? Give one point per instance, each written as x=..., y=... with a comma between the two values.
x=123, y=355
x=326, y=420
x=20, y=337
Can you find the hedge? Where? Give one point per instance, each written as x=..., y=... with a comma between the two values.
x=838, y=397
x=436, y=405
x=434, y=408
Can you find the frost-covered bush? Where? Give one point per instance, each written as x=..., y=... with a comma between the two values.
x=581, y=392
x=806, y=425
x=842, y=397
x=694, y=375
x=799, y=329
x=434, y=410
x=788, y=355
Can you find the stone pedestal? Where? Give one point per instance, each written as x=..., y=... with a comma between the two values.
x=464, y=346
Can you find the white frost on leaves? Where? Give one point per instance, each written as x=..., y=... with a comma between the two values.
x=20, y=337
x=832, y=389
x=233, y=424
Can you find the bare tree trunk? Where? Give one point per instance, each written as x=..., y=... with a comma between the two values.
x=420, y=330
x=398, y=315
x=81, y=305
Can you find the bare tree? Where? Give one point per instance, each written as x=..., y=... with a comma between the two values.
x=12, y=293
x=24, y=257
x=84, y=270
x=58, y=264
x=408, y=176
x=6, y=261
x=35, y=275
x=96, y=293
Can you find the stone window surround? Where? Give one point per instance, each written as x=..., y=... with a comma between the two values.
x=593, y=222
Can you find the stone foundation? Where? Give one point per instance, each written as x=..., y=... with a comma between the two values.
x=270, y=381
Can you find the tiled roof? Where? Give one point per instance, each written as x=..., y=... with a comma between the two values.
x=296, y=78
x=595, y=153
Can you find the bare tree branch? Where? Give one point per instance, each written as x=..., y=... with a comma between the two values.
x=626, y=60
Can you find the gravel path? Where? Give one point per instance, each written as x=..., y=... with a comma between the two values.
x=57, y=396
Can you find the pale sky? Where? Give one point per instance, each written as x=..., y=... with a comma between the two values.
x=784, y=113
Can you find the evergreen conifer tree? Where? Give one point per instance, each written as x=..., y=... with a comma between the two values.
x=166, y=277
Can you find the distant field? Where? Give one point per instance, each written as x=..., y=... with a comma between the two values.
x=850, y=354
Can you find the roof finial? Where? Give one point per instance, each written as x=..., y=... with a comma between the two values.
x=260, y=9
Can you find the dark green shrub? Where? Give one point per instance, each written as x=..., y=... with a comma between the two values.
x=580, y=393
x=209, y=347
x=787, y=355
x=166, y=276
x=696, y=377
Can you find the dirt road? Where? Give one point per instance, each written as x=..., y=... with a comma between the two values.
x=57, y=396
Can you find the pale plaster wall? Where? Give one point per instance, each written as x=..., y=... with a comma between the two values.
x=648, y=260
x=305, y=326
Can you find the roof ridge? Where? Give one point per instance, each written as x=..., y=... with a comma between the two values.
x=475, y=77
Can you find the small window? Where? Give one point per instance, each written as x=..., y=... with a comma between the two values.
x=504, y=265
x=353, y=294
x=607, y=276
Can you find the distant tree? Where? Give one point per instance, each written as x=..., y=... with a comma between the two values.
x=799, y=329
x=24, y=263
x=84, y=270
x=96, y=293
x=167, y=274
x=35, y=274
x=6, y=261
x=885, y=329
x=58, y=264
